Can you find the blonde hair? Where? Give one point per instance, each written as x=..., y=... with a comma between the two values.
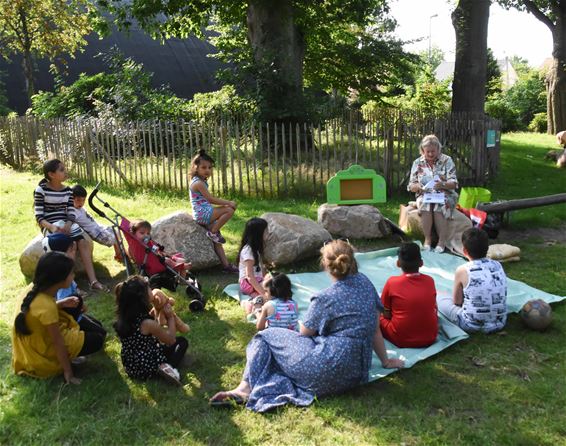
x=338, y=259
x=430, y=140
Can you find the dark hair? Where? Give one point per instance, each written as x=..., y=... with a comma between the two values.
x=52, y=268
x=253, y=237
x=131, y=302
x=50, y=166
x=476, y=242
x=139, y=224
x=78, y=191
x=410, y=257
x=337, y=257
x=279, y=286
x=197, y=159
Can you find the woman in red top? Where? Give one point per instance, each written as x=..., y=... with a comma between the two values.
x=410, y=318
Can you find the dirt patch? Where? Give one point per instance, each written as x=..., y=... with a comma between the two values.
x=547, y=235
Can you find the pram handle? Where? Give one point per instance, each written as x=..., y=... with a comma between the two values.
x=91, y=201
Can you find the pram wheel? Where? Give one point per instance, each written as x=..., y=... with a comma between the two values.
x=197, y=300
x=196, y=305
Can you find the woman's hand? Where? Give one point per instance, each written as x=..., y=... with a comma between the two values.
x=416, y=188
x=393, y=363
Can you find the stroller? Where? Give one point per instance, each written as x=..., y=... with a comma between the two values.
x=148, y=256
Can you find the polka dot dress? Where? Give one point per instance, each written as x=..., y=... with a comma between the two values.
x=141, y=354
x=285, y=367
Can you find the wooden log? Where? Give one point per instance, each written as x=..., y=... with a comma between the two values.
x=523, y=203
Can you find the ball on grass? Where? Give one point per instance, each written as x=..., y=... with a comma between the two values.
x=536, y=314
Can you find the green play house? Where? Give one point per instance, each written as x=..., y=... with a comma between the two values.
x=356, y=185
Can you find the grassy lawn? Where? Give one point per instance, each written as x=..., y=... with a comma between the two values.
x=508, y=388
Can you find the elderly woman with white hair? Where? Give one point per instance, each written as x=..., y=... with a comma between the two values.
x=434, y=167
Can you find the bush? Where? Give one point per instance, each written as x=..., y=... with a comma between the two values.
x=539, y=124
x=498, y=108
x=221, y=103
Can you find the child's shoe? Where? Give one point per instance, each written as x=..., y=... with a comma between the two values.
x=230, y=269
x=439, y=249
x=215, y=237
x=169, y=373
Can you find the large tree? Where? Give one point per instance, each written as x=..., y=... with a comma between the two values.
x=281, y=45
x=553, y=14
x=42, y=28
x=470, y=20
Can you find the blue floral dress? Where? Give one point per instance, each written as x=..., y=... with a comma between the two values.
x=285, y=367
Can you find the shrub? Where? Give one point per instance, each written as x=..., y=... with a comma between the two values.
x=498, y=108
x=539, y=124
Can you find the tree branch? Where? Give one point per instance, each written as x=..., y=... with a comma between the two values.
x=533, y=9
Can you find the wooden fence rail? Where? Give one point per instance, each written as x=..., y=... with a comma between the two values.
x=252, y=158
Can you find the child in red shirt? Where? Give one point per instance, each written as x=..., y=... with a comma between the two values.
x=409, y=318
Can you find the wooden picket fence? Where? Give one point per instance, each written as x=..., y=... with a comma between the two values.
x=251, y=158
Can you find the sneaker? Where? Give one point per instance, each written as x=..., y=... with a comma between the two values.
x=231, y=269
x=426, y=248
x=220, y=237
x=215, y=237
x=439, y=249
x=79, y=360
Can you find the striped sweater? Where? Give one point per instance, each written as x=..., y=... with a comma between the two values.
x=52, y=205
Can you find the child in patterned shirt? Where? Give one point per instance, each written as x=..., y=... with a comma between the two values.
x=279, y=309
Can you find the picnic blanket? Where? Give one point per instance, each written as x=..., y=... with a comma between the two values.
x=378, y=266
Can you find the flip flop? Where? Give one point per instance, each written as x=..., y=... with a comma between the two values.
x=170, y=374
x=230, y=399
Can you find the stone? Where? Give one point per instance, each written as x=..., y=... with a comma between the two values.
x=34, y=250
x=292, y=238
x=357, y=222
x=178, y=232
x=410, y=222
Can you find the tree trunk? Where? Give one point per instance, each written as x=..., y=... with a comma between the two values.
x=556, y=78
x=470, y=20
x=278, y=47
x=27, y=60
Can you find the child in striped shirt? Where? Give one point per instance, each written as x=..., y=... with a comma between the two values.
x=54, y=212
x=279, y=309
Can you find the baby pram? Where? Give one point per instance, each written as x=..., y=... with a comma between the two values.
x=147, y=255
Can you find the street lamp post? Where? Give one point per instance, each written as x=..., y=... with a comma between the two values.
x=430, y=35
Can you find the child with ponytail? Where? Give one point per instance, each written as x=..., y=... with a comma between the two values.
x=206, y=215
x=44, y=337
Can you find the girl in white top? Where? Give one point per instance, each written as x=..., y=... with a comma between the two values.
x=251, y=270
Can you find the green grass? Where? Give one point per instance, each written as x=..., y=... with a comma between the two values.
x=501, y=389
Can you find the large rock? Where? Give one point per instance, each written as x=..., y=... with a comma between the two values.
x=359, y=221
x=410, y=222
x=292, y=238
x=178, y=232
x=34, y=250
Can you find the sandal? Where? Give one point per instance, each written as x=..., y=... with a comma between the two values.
x=229, y=399
x=169, y=373
x=95, y=285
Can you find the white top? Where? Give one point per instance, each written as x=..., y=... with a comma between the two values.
x=89, y=225
x=485, y=307
x=247, y=254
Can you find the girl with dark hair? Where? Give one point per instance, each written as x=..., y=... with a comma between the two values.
x=203, y=212
x=279, y=308
x=46, y=338
x=148, y=349
x=212, y=218
x=55, y=212
x=250, y=264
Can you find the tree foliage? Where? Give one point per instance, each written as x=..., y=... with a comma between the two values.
x=43, y=28
x=335, y=45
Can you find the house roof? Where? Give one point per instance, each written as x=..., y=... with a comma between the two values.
x=183, y=64
x=509, y=76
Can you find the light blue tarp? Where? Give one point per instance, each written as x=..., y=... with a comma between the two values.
x=378, y=266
